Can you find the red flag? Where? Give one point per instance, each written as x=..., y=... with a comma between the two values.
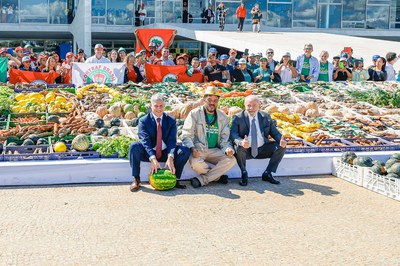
x=157, y=73
x=160, y=38
x=20, y=76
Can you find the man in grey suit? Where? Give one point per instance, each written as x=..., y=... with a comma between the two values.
x=249, y=132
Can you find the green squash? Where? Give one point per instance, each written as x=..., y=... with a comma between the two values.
x=378, y=169
x=115, y=122
x=103, y=132
x=129, y=108
x=28, y=142
x=390, y=162
x=113, y=131
x=395, y=156
x=53, y=119
x=394, y=169
x=42, y=141
x=99, y=123
x=376, y=162
x=162, y=180
x=11, y=144
x=141, y=114
x=348, y=157
x=80, y=143
x=363, y=161
x=33, y=137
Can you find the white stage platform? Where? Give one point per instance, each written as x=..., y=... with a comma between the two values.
x=118, y=170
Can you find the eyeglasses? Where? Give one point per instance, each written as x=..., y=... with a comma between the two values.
x=308, y=48
x=270, y=52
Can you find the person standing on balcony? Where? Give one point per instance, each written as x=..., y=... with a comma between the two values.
x=209, y=14
x=137, y=16
x=221, y=11
x=142, y=14
x=241, y=15
x=256, y=16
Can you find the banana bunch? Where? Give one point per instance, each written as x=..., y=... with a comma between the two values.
x=96, y=88
x=293, y=118
x=309, y=128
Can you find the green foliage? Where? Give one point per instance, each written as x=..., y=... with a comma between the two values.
x=232, y=101
x=6, y=100
x=141, y=102
x=378, y=97
x=118, y=145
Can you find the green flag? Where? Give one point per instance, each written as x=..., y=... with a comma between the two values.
x=3, y=69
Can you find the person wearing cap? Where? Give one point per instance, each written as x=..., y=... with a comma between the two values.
x=307, y=66
x=263, y=73
x=206, y=133
x=213, y=51
x=164, y=56
x=335, y=62
x=241, y=15
x=251, y=65
x=250, y=133
x=374, y=59
x=270, y=56
x=359, y=73
x=186, y=57
x=342, y=73
x=203, y=63
x=98, y=55
x=232, y=57
x=258, y=57
x=349, y=55
x=286, y=70
x=157, y=134
x=29, y=47
x=122, y=54
x=224, y=62
x=81, y=56
x=391, y=59
x=378, y=73
x=325, y=68
x=214, y=71
x=19, y=52
x=9, y=53
x=66, y=68
x=180, y=61
x=26, y=64
x=221, y=11
x=242, y=73
x=141, y=63
x=132, y=72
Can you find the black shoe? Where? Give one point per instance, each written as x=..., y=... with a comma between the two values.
x=223, y=179
x=244, y=180
x=195, y=182
x=179, y=185
x=269, y=178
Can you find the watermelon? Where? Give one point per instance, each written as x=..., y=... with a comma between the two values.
x=103, y=132
x=80, y=143
x=113, y=131
x=162, y=180
x=141, y=114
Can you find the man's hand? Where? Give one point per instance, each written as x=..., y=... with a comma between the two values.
x=170, y=164
x=154, y=166
x=283, y=142
x=195, y=153
x=245, y=142
x=229, y=152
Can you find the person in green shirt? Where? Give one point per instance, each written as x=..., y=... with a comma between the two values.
x=325, y=68
x=307, y=66
x=263, y=73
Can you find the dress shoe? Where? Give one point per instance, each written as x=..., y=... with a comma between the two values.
x=266, y=176
x=195, y=182
x=135, y=184
x=223, y=179
x=179, y=185
x=244, y=180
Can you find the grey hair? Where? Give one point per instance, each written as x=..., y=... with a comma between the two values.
x=323, y=52
x=157, y=97
x=251, y=97
x=309, y=45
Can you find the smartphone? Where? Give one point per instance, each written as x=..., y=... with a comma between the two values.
x=341, y=65
x=293, y=63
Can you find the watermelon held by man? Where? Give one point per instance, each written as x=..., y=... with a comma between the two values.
x=162, y=180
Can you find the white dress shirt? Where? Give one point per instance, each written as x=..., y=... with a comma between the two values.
x=260, y=137
x=163, y=146
x=93, y=59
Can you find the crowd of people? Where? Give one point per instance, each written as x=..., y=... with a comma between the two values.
x=217, y=67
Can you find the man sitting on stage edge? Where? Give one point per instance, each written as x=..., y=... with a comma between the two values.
x=249, y=132
x=157, y=134
x=206, y=133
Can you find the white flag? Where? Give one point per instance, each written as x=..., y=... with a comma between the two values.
x=98, y=73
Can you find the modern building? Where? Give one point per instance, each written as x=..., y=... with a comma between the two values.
x=81, y=23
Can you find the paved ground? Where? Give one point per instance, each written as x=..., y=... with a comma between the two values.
x=303, y=221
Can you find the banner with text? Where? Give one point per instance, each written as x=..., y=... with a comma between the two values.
x=112, y=73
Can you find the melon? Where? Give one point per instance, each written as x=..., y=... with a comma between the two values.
x=60, y=147
x=107, y=117
x=300, y=109
x=129, y=108
x=162, y=180
x=80, y=143
x=311, y=105
x=284, y=110
x=271, y=109
x=115, y=110
x=234, y=110
x=113, y=131
x=103, y=132
x=395, y=156
x=102, y=111
x=311, y=113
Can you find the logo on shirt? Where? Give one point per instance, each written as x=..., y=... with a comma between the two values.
x=170, y=78
x=158, y=42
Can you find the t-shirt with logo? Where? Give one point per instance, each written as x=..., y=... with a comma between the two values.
x=323, y=73
x=252, y=67
x=214, y=72
x=212, y=132
x=266, y=75
x=246, y=76
x=305, y=71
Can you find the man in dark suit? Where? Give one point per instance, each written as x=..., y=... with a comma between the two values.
x=157, y=134
x=249, y=132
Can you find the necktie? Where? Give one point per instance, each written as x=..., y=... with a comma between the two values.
x=254, y=145
x=159, y=139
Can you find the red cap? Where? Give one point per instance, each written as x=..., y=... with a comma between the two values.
x=69, y=54
x=19, y=48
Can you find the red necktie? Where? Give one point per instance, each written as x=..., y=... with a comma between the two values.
x=159, y=139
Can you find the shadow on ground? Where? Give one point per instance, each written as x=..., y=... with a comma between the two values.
x=289, y=187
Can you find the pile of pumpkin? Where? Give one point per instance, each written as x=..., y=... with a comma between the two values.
x=390, y=168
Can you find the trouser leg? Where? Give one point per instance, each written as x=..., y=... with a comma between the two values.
x=181, y=155
x=275, y=152
x=222, y=165
x=241, y=156
x=137, y=153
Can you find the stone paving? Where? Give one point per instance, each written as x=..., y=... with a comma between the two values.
x=318, y=220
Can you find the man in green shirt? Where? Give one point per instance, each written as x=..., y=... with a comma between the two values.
x=307, y=66
x=325, y=67
x=206, y=133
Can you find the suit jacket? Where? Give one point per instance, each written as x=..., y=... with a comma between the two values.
x=241, y=126
x=147, y=131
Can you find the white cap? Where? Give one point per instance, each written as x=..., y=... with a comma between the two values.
x=242, y=61
x=286, y=54
x=26, y=58
x=98, y=46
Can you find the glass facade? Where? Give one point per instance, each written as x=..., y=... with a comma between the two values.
x=363, y=14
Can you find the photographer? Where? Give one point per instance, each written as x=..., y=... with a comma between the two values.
x=342, y=73
x=286, y=69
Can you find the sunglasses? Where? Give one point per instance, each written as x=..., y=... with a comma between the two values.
x=270, y=52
